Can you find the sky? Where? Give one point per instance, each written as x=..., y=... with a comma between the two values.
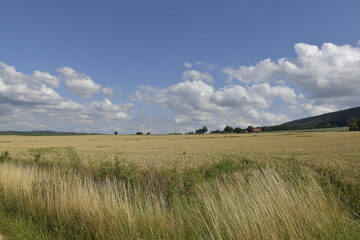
x=174, y=66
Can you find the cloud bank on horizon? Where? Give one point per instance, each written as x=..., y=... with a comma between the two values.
x=316, y=81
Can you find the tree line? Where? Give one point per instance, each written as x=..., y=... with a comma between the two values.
x=204, y=129
x=227, y=129
x=354, y=125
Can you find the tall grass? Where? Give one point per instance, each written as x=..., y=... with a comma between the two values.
x=250, y=203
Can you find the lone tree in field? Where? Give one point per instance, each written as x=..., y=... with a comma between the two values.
x=115, y=133
x=204, y=129
x=139, y=133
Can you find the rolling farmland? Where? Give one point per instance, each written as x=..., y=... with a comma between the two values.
x=289, y=185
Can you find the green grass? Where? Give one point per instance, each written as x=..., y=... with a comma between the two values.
x=15, y=227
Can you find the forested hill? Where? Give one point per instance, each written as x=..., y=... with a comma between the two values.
x=333, y=119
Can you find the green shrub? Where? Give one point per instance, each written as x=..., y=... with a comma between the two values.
x=5, y=156
x=37, y=157
x=74, y=158
x=227, y=166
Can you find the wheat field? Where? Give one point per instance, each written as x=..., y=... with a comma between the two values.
x=231, y=186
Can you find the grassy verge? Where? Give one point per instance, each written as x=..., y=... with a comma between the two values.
x=229, y=199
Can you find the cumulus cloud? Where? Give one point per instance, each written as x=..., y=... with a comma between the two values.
x=197, y=102
x=107, y=91
x=26, y=103
x=109, y=110
x=46, y=78
x=317, y=80
x=328, y=72
x=79, y=83
x=261, y=72
x=257, y=95
x=187, y=65
x=312, y=109
x=194, y=75
x=182, y=97
x=189, y=100
x=17, y=88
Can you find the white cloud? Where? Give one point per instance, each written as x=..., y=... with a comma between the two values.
x=258, y=117
x=17, y=88
x=79, y=83
x=106, y=109
x=329, y=72
x=258, y=95
x=311, y=109
x=187, y=65
x=47, y=78
x=261, y=72
x=316, y=81
x=182, y=97
x=107, y=91
x=196, y=102
x=205, y=66
x=194, y=75
x=26, y=103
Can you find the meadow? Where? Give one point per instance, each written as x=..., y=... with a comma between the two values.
x=284, y=185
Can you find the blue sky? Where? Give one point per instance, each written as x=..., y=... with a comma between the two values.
x=174, y=66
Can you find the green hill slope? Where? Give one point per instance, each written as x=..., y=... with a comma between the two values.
x=339, y=119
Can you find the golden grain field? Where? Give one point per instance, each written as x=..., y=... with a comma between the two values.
x=335, y=150
x=290, y=185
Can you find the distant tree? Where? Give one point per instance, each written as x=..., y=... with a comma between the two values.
x=204, y=129
x=353, y=126
x=237, y=130
x=228, y=129
x=148, y=133
x=139, y=133
x=201, y=130
x=115, y=133
x=250, y=129
x=215, y=132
